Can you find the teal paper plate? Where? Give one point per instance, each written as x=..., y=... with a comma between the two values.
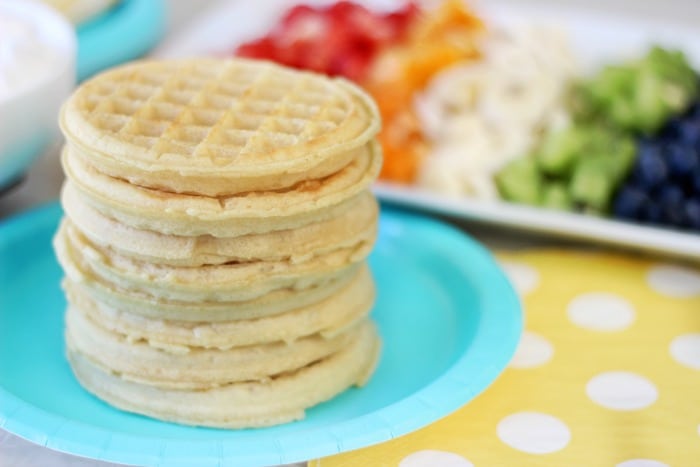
x=448, y=316
x=124, y=32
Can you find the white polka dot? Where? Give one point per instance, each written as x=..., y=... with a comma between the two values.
x=523, y=277
x=641, y=463
x=430, y=458
x=534, y=433
x=675, y=281
x=621, y=390
x=533, y=350
x=601, y=311
x=685, y=350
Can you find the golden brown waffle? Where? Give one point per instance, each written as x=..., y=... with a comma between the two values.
x=326, y=317
x=222, y=282
x=273, y=303
x=249, y=404
x=254, y=212
x=184, y=367
x=217, y=127
x=347, y=229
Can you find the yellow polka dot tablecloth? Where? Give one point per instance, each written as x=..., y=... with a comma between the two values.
x=607, y=373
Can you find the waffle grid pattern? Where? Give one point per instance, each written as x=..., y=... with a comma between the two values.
x=214, y=110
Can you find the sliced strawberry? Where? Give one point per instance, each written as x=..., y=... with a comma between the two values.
x=341, y=39
x=260, y=48
x=400, y=20
x=359, y=21
x=303, y=23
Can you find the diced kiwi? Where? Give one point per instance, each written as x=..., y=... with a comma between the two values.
x=592, y=183
x=623, y=154
x=555, y=195
x=640, y=95
x=520, y=181
x=559, y=151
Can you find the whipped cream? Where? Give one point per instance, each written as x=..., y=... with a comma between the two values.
x=26, y=54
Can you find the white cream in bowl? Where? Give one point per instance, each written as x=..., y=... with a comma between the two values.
x=37, y=72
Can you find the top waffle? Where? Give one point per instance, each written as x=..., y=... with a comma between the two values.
x=217, y=127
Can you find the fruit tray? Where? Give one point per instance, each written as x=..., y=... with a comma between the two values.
x=598, y=38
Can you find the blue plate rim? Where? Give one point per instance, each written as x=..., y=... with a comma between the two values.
x=444, y=395
x=124, y=32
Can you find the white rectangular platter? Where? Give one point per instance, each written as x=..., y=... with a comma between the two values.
x=597, y=38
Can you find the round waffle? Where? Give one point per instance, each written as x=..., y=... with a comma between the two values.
x=273, y=303
x=326, y=317
x=184, y=367
x=251, y=212
x=223, y=282
x=217, y=127
x=281, y=399
x=356, y=226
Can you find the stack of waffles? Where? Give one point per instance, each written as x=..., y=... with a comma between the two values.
x=217, y=222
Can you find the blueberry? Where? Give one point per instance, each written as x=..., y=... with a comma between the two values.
x=671, y=199
x=689, y=131
x=682, y=160
x=652, y=213
x=629, y=203
x=644, y=142
x=672, y=129
x=692, y=213
x=648, y=144
x=669, y=194
x=651, y=169
x=695, y=185
x=693, y=113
